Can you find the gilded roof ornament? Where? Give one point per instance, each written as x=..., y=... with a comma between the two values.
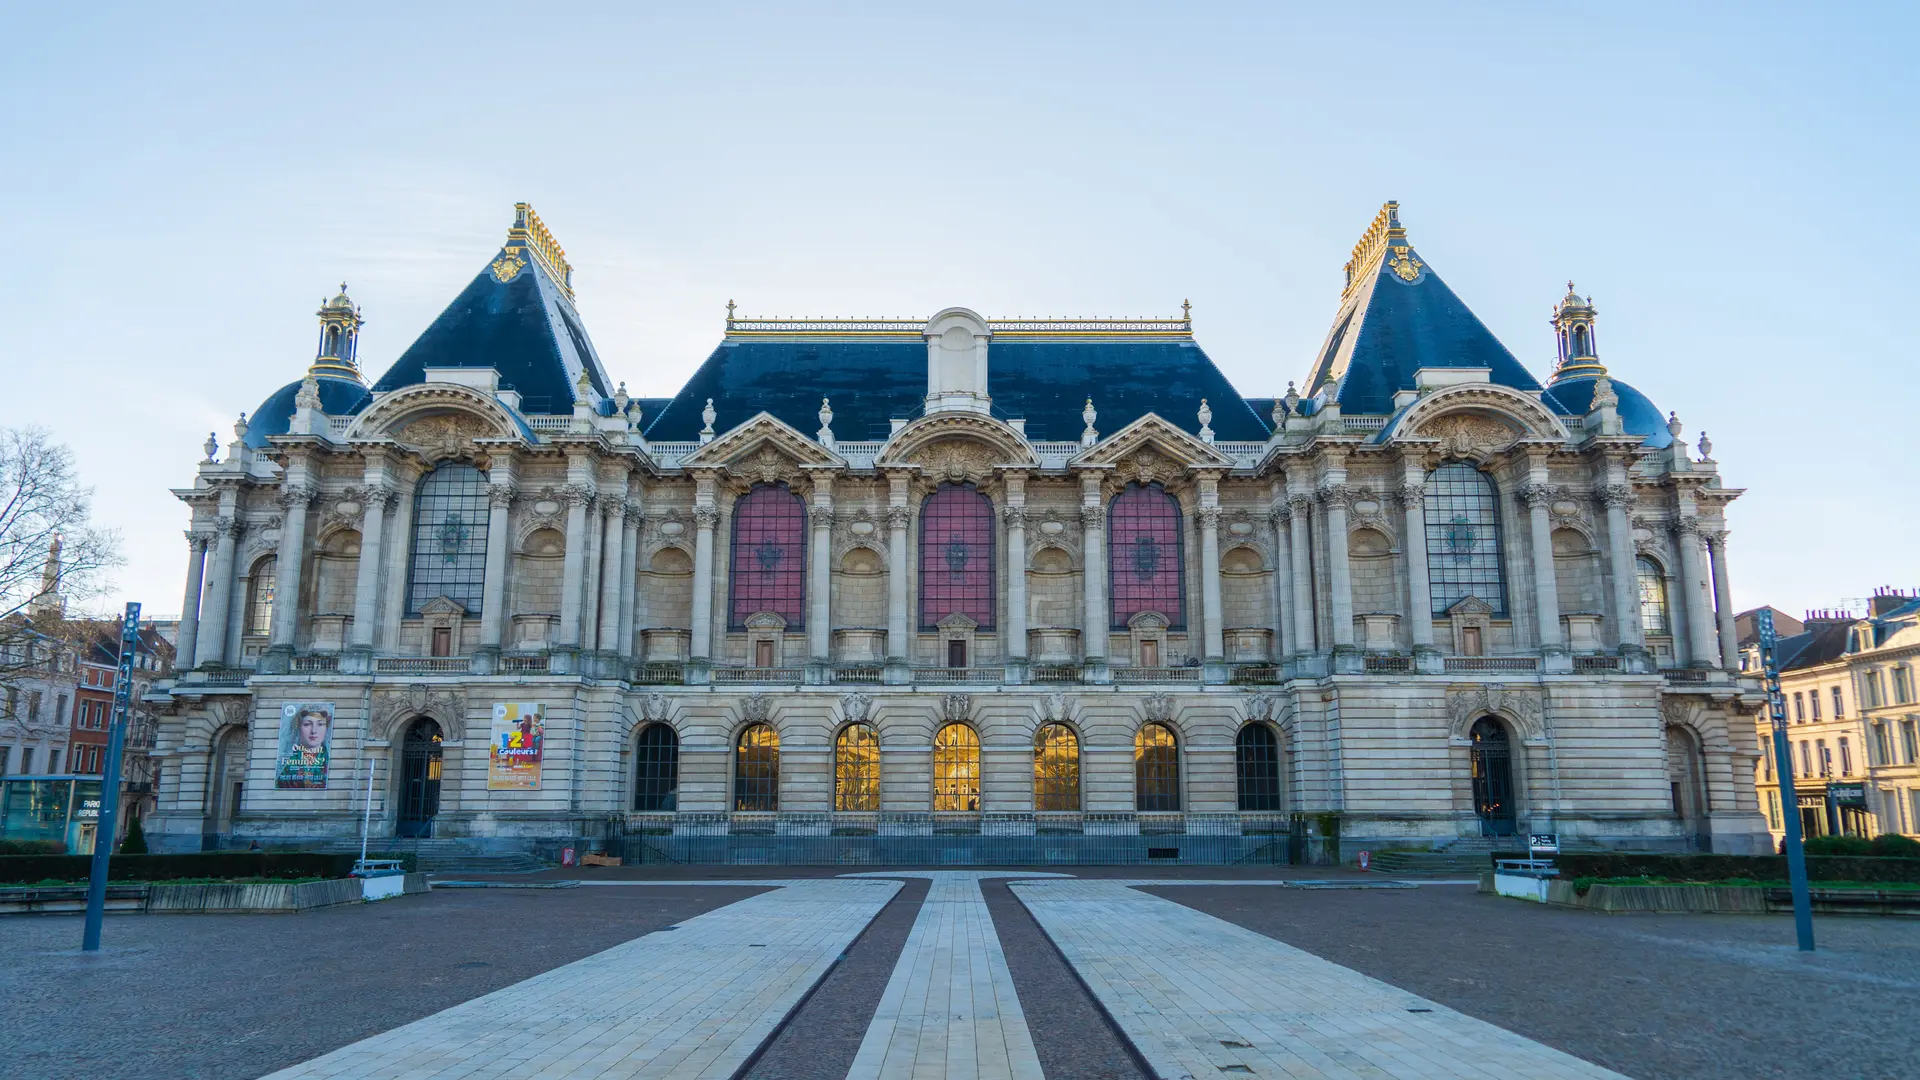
x=1380, y=235
x=530, y=233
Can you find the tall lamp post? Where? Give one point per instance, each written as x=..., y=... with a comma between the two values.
x=105, y=832
x=1783, y=766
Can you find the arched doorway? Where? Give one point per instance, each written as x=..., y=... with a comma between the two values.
x=1684, y=780
x=1492, y=760
x=419, y=779
x=226, y=783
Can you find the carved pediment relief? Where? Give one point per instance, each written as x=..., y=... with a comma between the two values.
x=956, y=448
x=1477, y=420
x=1521, y=708
x=1471, y=434
x=1156, y=446
x=762, y=450
x=447, y=435
x=438, y=420
x=1470, y=605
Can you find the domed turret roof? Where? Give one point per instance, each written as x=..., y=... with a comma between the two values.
x=275, y=415
x=1573, y=396
x=341, y=302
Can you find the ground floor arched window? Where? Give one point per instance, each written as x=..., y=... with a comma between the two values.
x=1256, y=761
x=856, y=768
x=756, y=769
x=1156, y=769
x=1056, y=769
x=656, y=770
x=956, y=769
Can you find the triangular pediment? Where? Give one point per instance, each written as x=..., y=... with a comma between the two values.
x=441, y=605
x=957, y=621
x=1152, y=433
x=762, y=442
x=1470, y=605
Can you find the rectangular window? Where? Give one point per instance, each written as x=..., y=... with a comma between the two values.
x=1825, y=757
x=956, y=654
x=443, y=641
x=1839, y=704
x=1806, y=759
x=1902, y=685
x=763, y=653
x=1773, y=809
x=1846, y=758
x=33, y=704
x=26, y=759
x=5, y=753
x=1813, y=699
x=1470, y=644
x=1910, y=741
x=1913, y=798
x=1870, y=690
x=1883, y=745
x=1766, y=759
x=1149, y=654
x=1799, y=707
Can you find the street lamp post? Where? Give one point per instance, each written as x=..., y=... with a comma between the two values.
x=1789, y=799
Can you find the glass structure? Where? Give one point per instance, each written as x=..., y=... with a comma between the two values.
x=956, y=556
x=856, y=768
x=1056, y=769
x=1491, y=757
x=420, y=760
x=1156, y=769
x=449, y=538
x=956, y=769
x=1463, y=538
x=656, y=769
x=1653, y=598
x=769, y=556
x=756, y=769
x=1256, y=762
x=1144, y=565
x=260, y=596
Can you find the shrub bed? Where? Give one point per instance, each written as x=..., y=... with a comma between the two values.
x=213, y=865
x=1719, y=868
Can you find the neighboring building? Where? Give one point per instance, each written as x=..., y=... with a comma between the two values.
x=963, y=587
x=35, y=702
x=1852, y=713
x=99, y=672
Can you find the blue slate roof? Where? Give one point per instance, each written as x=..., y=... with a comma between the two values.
x=1045, y=381
x=338, y=397
x=1638, y=414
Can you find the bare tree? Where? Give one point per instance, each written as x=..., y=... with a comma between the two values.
x=51, y=554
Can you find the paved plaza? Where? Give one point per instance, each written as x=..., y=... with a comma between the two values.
x=977, y=974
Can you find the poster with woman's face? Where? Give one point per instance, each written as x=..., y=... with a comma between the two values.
x=306, y=735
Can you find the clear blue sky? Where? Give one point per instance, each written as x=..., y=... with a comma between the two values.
x=1732, y=184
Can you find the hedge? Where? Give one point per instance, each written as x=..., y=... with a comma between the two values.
x=1725, y=867
x=15, y=869
x=32, y=847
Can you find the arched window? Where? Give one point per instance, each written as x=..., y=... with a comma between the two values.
x=656, y=769
x=1144, y=567
x=856, y=768
x=756, y=769
x=1490, y=758
x=1653, y=598
x=956, y=556
x=449, y=538
x=1256, y=760
x=1156, y=769
x=1056, y=768
x=769, y=556
x=1463, y=538
x=956, y=769
x=260, y=596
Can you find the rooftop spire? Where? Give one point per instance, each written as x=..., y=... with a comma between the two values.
x=530, y=232
x=339, y=338
x=1573, y=319
x=1385, y=232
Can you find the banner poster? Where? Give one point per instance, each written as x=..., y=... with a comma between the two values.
x=519, y=733
x=306, y=738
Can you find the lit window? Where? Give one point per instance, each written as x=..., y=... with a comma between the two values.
x=1144, y=563
x=656, y=770
x=756, y=769
x=956, y=556
x=769, y=556
x=856, y=768
x=1653, y=598
x=260, y=597
x=449, y=538
x=1463, y=538
x=1256, y=755
x=1056, y=769
x=956, y=769
x=1156, y=769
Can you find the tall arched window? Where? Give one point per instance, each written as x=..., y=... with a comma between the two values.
x=1156, y=769
x=656, y=769
x=1144, y=567
x=1256, y=760
x=769, y=556
x=956, y=556
x=1653, y=598
x=260, y=585
x=1463, y=538
x=756, y=769
x=856, y=768
x=1056, y=768
x=956, y=769
x=449, y=538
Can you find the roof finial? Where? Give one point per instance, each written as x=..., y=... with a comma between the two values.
x=1186, y=311
x=1206, y=421
x=707, y=414
x=1089, y=415
x=729, y=312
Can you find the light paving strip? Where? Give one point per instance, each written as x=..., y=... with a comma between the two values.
x=693, y=1002
x=1203, y=999
x=949, y=1011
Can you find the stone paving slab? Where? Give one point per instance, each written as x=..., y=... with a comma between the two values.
x=1201, y=998
x=692, y=1002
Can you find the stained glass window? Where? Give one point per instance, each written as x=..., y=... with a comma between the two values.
x=1653, y=598
x=1256, y=757
x=756, y=769
x=956, y=769
x=769, y=556
x=656, y=769
x=1463, y=538
x=1145, y=569
x=856, y=768
x=449, y=538
x=1156, y=769
x=956, y=556
x=260, y=596
x=1056, y=769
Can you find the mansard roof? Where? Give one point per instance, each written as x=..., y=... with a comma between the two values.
x=876, y=372
x=1396, y=316
x=517, y=317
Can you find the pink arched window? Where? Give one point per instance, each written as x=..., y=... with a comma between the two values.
x=1144, y=566
x=956, y=556
x=769, y=556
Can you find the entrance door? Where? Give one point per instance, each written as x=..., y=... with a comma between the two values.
x=1149, y=654
x=1492, y=778
x=956, y=654
x=419, y=779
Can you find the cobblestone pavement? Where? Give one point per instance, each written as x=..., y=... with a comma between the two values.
x=1199, y=996
x=1658, y=997
x=236, y=996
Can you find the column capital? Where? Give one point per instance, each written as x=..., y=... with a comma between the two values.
x=1612, y=495
x=372, y=496
x=1536, y=496
x=500, y=495
x=577, y=494
x=820, y=517
x=1093, y=517
x=634, y=511
x=1014, y=516
x=198, y=538
x=230, y=528
x=1208, y=518
x=296, y=495
x=1687, y=526
x=1335, y=495
x=1299, y=503
x=706, y=517
x=1412, y=496
x=899, y=517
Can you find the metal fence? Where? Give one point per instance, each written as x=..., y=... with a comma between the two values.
x=1039, y=849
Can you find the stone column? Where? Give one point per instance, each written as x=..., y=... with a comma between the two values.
x=820, y=573
x=294, y=499
x=590, y=586
x=493, y=591
x=1723, y=602
x=1210, y=598
x=1419, y=580
x=1333, y=502
x=1693, y=588
x=705, y=517
x=1282, y=574
x=1299, y=547
x=899, y=521
x=190, y=603
x=1546, y=594
x=213, y=643
x=1014, y=514
x=1093, y=529
x=613, y=517
x=573, y=572
x=1624, y=569
x=631, y=515
x=374, y=500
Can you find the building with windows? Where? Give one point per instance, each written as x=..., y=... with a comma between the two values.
x=1853, y=721
x=35, y=697
x=982, y=588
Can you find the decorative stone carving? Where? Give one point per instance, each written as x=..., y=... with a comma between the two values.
x=1157, y=707
x=1299, y=503
x=1014, y=515
x=444, y=436
x=446, y=707
x=956, y=708
x=1412, y=496
x=856, y=708
x=956, y=461
x=1056, y=708
x=756, y=708
x=577, y=494
x=296, y=495
x=1613, y=495
x=899, y=517
x=1093, y=517
x=656, y=708
x=1520, y=707
x=1207, y=517
x=499, y=494
x=706, y=517
x=1470, y=434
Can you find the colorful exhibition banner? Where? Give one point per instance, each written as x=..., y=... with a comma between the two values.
x=306, y=735
x=519, y=732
